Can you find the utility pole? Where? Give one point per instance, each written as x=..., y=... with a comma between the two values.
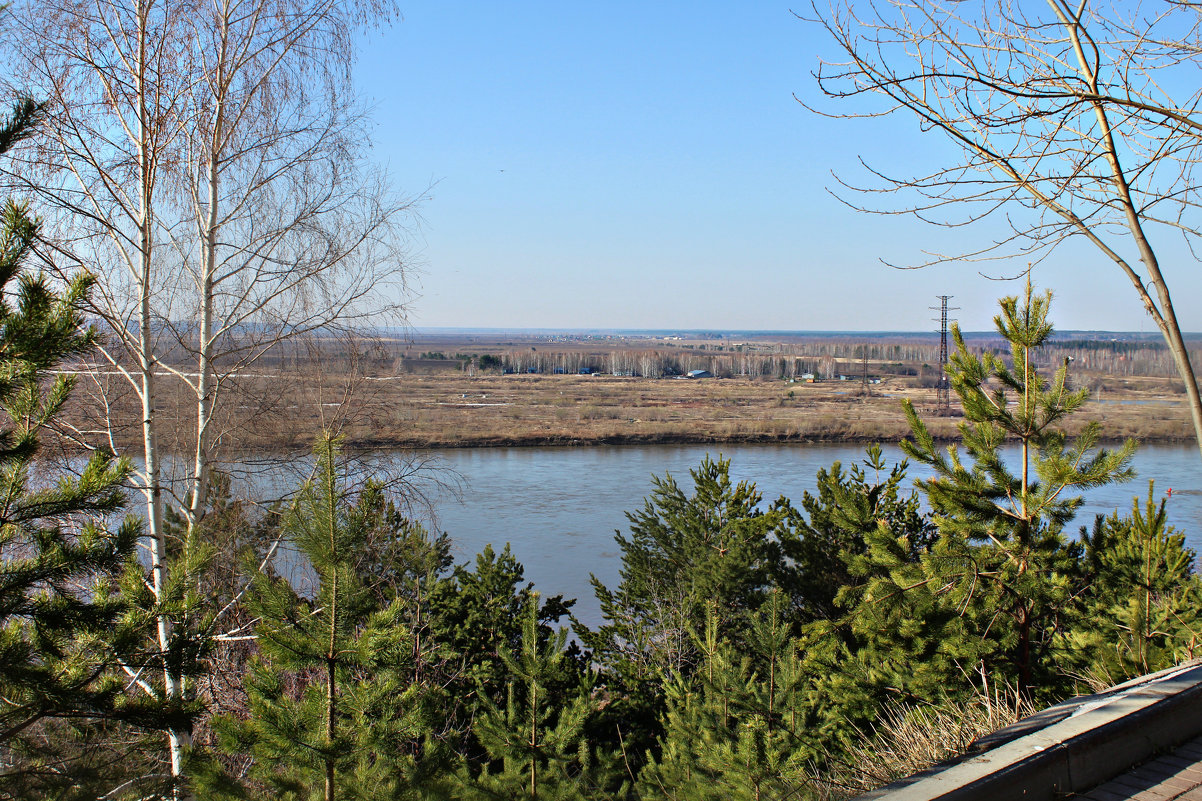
x=864, y=370
x=943, y=395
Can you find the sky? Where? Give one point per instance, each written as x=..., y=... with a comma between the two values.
x=648, y=165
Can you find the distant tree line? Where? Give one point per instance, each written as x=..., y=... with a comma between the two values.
x=823, y=360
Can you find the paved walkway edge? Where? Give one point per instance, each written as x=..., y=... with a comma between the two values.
x=1106, y=735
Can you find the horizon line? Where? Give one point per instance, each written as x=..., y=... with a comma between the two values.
x=731, y=332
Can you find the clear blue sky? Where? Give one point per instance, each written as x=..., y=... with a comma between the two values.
x=645, y=165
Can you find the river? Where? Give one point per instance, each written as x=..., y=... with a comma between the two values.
x=559, y=507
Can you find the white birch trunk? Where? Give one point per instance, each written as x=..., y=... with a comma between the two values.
x=173, y=685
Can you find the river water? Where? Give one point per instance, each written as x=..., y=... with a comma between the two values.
x=559, y=507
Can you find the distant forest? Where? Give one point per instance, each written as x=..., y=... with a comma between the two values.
x=824, y=358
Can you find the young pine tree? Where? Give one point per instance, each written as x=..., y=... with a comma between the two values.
x=535, y=743
x=688, y=554
x=998, y=586
x=474, y=616
x=1142, y=609
x=737, y=728
x=331, y=716
x=812, y=566
x=59, y=615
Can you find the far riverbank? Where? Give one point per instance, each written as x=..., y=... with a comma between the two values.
x=507, y=411
x=284, y=413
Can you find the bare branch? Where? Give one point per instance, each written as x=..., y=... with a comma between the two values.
x=1060, y=123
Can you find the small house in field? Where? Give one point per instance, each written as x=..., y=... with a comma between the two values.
x=700, y=374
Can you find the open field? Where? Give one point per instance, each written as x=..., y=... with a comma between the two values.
x=477, y=390
x=605, y=409
x=579, y=410
x=453, y=409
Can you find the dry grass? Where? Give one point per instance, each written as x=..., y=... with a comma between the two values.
x=908, y=739
x=287, y=410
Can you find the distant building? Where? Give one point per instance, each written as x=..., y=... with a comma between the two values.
x=700, y=374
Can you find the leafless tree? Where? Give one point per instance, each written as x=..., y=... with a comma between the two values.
x=1069, y=121
x=205, y=159
x=292, y=234
x=109, y=74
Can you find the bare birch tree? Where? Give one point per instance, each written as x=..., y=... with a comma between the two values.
x=109, y=77
x=1070, y=121
x=214, y=152
x=292, y=234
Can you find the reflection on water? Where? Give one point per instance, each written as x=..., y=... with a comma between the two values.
x=559, y=507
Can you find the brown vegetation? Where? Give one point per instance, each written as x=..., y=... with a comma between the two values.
x=286, y=407
x=908, y=739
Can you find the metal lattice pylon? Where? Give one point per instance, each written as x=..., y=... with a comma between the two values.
x=943, y=393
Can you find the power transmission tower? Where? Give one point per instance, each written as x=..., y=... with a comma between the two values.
x=943, y=395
